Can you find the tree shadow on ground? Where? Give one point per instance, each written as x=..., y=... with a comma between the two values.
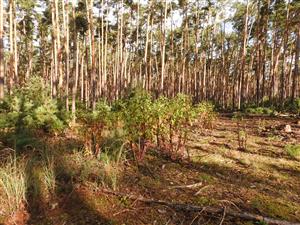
x=291, y=172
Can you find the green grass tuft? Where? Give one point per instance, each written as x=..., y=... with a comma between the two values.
x=293, y=150
x=12, y=186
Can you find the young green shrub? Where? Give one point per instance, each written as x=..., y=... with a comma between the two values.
x=29, y=111
x=96, y=122
x=12, y=186
x=261, y=111
x=241, y=130
x=33, y=108
x=179, y=115
x=160, y=117
x=206, y=114
x=296, y=106
x=138, y=122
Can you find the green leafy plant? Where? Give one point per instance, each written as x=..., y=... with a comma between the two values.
x=261, y=111
x=32, y=107
x=296, y=106
x=95, y=123
x=241, y=130
x=206, y=114
x=138, y=122
x=160, y=116
x=29, y=111
x=177, y=118
x=293, y=150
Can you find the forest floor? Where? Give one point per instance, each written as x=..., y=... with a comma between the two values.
x=262, y=179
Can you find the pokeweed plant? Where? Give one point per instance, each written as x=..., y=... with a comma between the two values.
x=160, y=117
x=179, y=116
x=205, y=114
x=138, y=122
x=96, y=122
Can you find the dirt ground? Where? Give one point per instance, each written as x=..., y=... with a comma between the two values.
x=261, y=179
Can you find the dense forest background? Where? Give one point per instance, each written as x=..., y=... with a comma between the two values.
x=233, y=53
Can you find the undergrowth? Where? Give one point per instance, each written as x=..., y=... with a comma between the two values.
x=13, y=186
x=293, y=150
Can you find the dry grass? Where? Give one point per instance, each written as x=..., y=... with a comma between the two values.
x=12, y=186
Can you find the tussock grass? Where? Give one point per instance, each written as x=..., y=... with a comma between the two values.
x=12, y=186
x=41, y=177
x=112, y=160
x=49, y=175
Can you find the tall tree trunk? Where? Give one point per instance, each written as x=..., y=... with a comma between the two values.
x=163, y=53
x=93, y=83
x=284, y=63
x=296, y=69
x=243, y=63
x=75, y=63
x=65, y=5
x=55, y=52
x=1, y=52
x=11, y=44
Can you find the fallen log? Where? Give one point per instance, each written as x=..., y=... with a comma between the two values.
x=211, y=210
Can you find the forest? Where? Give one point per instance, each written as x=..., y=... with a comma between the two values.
x=149, y=112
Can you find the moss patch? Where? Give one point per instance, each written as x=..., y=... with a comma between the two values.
x=205, y=201
x=274, y=207
x=206, y=178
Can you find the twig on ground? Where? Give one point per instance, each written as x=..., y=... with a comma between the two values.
x=201, y=189
x=197, y=216
x=232, y=203
x=223, y=217
x=187, y=186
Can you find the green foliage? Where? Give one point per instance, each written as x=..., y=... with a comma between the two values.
x=112, y=167
x=180, y=114
x=31, y=107
x=141, y=122
x=164, y=121
x=138, y=121
x=95, y=123
x=206, y=114
x=181, y=111
x=242, y=131
x=294, y=106
x=293, y=150
x=260, y=111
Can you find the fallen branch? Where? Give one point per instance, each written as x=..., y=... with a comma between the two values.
x=201, y=189
x=186, y=186
x=210, y=210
